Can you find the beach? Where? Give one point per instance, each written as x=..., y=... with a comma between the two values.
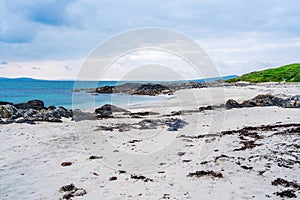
x=166, y=149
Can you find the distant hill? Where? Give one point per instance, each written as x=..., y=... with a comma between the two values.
x=18, y=79
x=25, y=79
x=287, y=73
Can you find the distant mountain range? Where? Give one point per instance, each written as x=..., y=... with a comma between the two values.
x=25, y=79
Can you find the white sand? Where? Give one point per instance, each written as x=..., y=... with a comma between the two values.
x=31, y=155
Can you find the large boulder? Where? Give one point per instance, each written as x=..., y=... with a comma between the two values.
x=230, y=103
x=264, y=100
x=32, y=104
x=108, y=109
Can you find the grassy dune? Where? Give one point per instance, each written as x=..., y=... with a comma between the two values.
x=287, y=73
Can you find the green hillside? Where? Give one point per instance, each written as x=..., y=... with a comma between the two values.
x=287, y=73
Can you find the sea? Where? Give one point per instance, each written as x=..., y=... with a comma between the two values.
x=60, y=93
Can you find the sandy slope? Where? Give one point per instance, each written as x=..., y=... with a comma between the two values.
x=31, y=155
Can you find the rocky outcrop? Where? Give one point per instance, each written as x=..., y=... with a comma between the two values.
x=32, y=104
x=107, y=111
x=136, y=89
x=152, y=90
x=265, y=100
x=32, y=111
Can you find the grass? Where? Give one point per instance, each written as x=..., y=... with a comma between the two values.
x=287, y=73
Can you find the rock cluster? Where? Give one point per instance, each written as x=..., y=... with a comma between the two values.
x=266, y=100
x=136, y=89
x=70, y=191
x=32, y=111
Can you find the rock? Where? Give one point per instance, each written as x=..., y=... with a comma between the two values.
x=107, y=110
x=202, y=173
x=71, y=190
x=113, y=178
x=32, y=104
x=5, y=103
x=144, y=113
x=152, y=90
x=105, y=89
x=51, y=107
x=140, y=177
x=64, y=164
x=286, y=193
x=293, y=102
x=63, y=112
x=7, y=111
x=95, y=157
x=205, y=108
x=79, y=115
x=230, y=103
x=264, y=100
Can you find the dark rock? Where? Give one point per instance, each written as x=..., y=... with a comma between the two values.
x=113, y=178
x=63, y=112
x=27, y=121
x=285, y=183
x=105, y=89
x=292, y=102
x=152, y=90
x=95, y=157
x=286, y=193
x=107, y=110
x=202, y=173
x=104, y=128
x=32, y=104
x=230, y=103
x=70, y=191
x=143, y=178
x=144, y=113
x=247, y=145
x=206, y=108
x=67, y=188
x=264, y=100
x=51, y=107
x=5, y=103
x=64, y=164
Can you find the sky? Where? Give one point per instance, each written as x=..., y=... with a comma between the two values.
x=51, y=39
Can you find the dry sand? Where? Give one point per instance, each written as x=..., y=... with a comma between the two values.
x=31, y=155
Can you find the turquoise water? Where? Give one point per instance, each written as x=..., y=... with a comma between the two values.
x=59, y=93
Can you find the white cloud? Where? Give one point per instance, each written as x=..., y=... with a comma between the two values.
x=240, y=36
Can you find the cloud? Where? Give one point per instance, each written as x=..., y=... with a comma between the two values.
x=239, y=35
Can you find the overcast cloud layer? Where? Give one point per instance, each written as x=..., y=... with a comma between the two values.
x=51, y=38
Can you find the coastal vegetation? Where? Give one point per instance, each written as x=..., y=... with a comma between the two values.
x=286, y=73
